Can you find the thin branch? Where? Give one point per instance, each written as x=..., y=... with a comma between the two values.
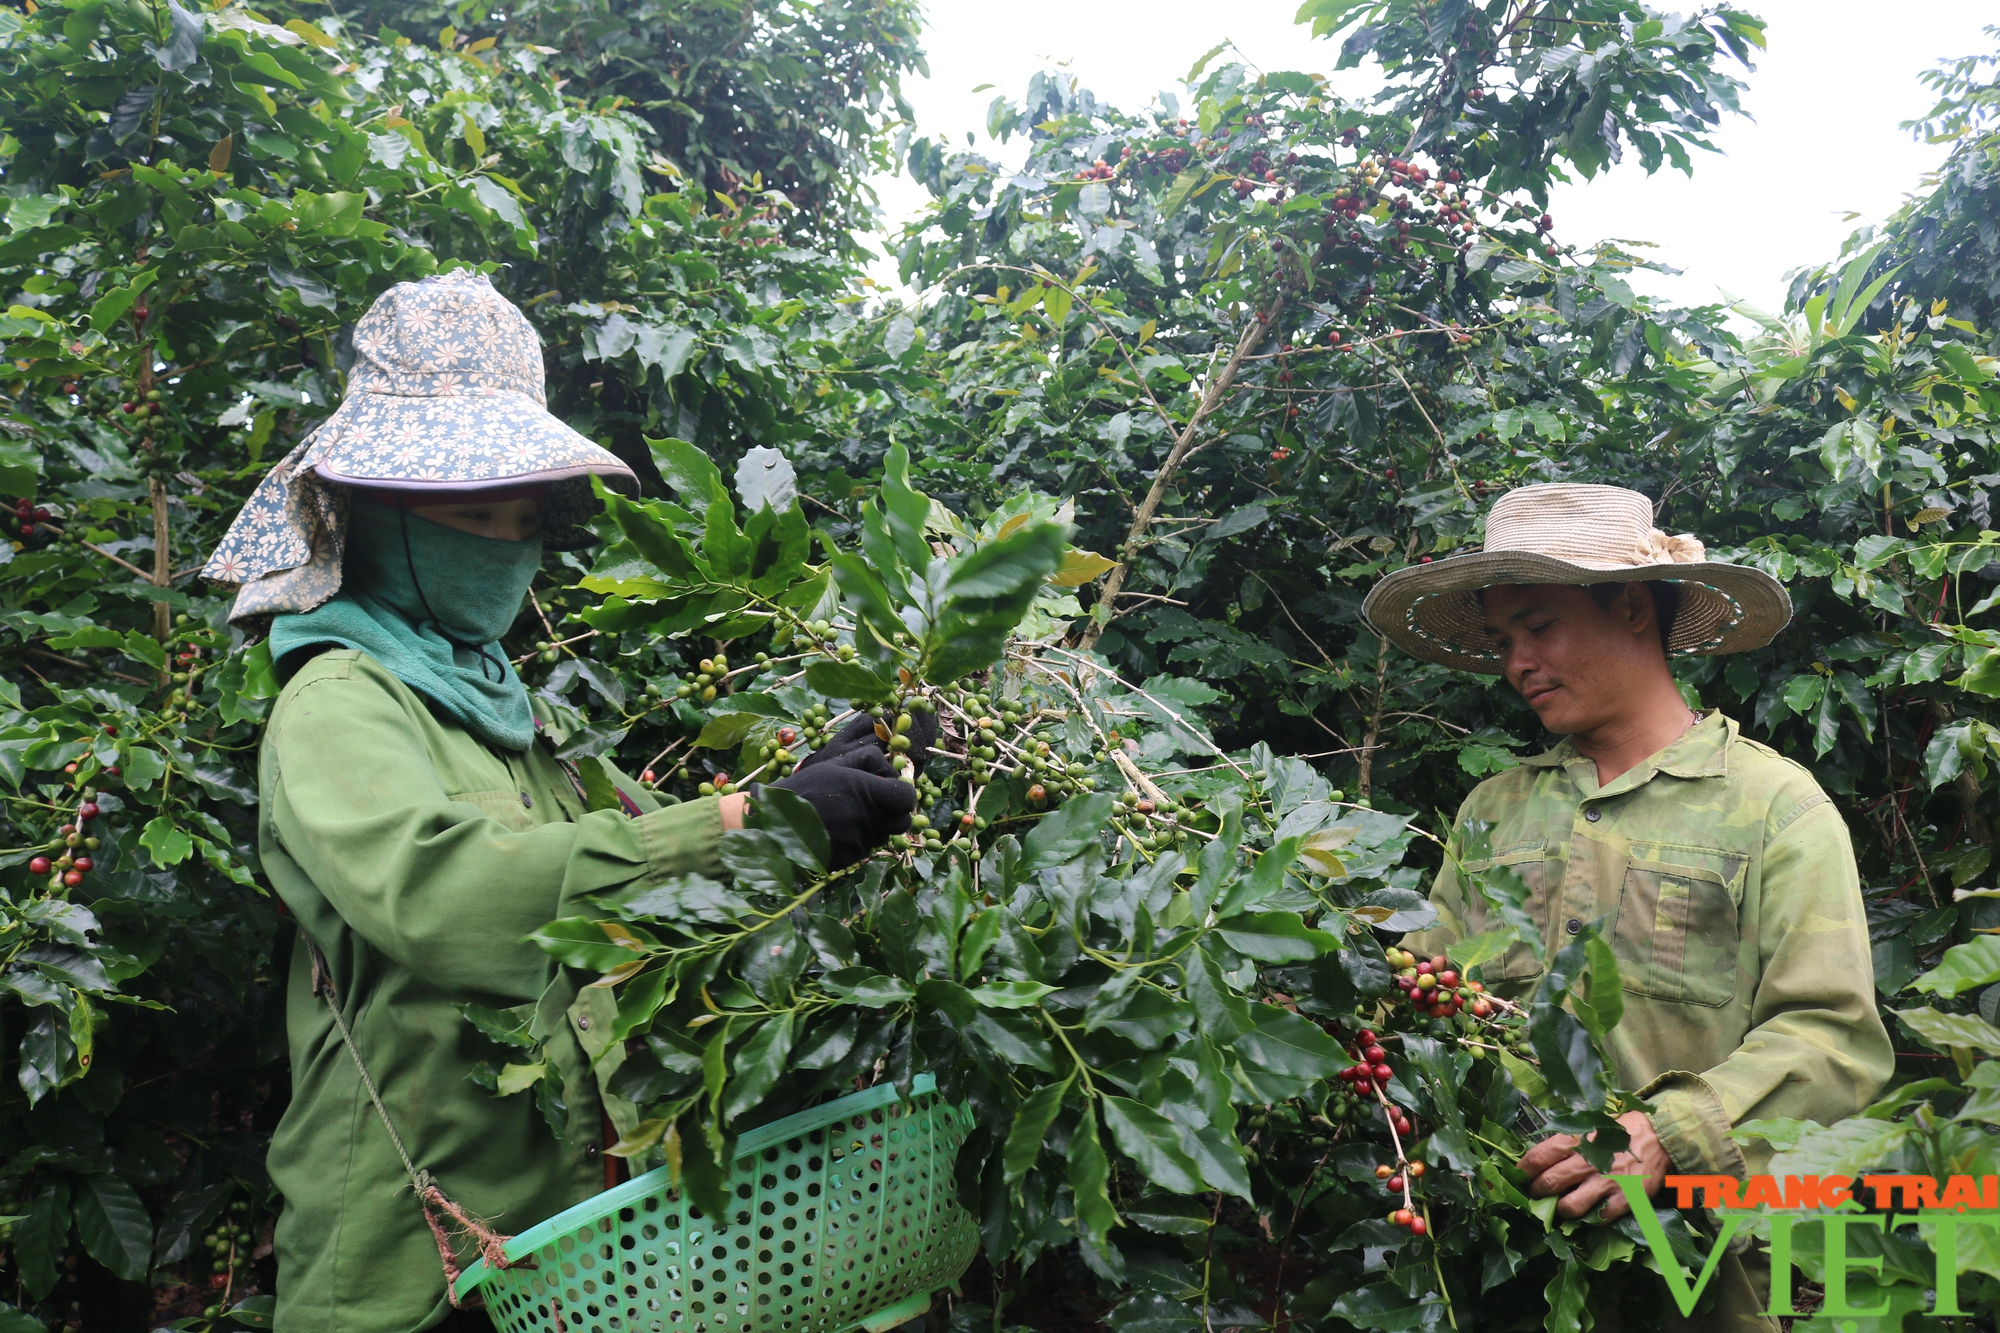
x=85, y=665
x=1253, y=334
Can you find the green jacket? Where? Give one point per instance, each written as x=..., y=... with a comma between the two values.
x=1732, y=903
x=419, y=860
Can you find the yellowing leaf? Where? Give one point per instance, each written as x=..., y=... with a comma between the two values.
x=620, y=973
x=483, y=44
x=644, y=1134
x=1318, y=849
x=621, y=935
x=1080, y=567
x=311, y=34
x=519, y=1078
x=218, y=156
x=1846, y=398
x=1011, y=526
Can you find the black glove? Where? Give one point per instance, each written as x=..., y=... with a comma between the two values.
x=858, y=798
x=858, y=737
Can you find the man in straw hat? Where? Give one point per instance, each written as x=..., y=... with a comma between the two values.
x=1717, y=869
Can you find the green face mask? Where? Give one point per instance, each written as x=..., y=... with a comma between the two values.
x=457, y=584
x=430, y=604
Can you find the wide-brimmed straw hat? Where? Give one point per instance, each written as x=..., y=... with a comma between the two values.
x=1574, y=534
x=446, y=397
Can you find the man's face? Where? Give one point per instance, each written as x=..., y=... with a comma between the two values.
x=1578, y=667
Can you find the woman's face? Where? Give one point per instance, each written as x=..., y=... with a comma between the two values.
x=502, y=520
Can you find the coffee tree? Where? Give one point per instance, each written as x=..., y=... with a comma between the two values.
x=1255, y=346
x=1160, y=1003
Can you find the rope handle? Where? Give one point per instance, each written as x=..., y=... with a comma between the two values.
x=437, y=1205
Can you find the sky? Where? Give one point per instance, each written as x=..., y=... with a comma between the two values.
x=1817, y=154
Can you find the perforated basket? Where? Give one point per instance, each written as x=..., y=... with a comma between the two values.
x=842, y=1217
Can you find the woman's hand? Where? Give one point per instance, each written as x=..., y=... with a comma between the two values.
x=859, y=799
x=733, y=806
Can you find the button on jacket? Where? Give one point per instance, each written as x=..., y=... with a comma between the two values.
x=1729, y=894
x=419, y=859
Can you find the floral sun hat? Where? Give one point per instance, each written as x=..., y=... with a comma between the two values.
x=445, y=396
x=1578, y=535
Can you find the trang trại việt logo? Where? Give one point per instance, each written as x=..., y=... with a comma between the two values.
x=1832, y=1201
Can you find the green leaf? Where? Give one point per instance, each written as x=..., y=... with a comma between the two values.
x=847, y=680
x=1224, y=1014
x=790, y=821
x=758, y=1063
x=1014, y=1036
x=866, y=986
x=1153, y=1142
x=1031, y=1125
x=1847, y=1148
x=1010, y=994
x=1964, y=966
x=1401, y=910
x=906, y=510
x=583, y=943
x=1946, y=1031
x=1276, y=937
x=113, y=1225
x=1604, y=1002
x=41, y=1240
x=1487, y=945
x=1090, y=1180
x=141, y=766
x=728, y=731
x=1008, y=565
x=692, y=473
x=1982, y=674
x=1565, y=1295
x=1064, y=832
x=1379, y=1305
x=1280, y=1042
x=165, y=842
x=111, y=307
x=981, y=934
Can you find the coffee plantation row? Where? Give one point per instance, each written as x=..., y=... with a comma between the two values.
x=1179, y=389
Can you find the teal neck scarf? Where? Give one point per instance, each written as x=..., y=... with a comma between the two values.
x=429, y=603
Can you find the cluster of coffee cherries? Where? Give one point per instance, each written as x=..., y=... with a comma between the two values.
x=230, y=1245
x=705, y=681
x=1365, y=1078
x=149, y=405
x=187, y=659
x=73, y=861
x=1433, y=986
x=1153, y=825
x=26, y=515
x=1399, y=1180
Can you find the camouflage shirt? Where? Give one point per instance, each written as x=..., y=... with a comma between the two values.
x=1730, y=897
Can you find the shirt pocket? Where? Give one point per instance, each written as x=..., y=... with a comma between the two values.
x=504, y=807
x=1530, y=861
x=1676, y=932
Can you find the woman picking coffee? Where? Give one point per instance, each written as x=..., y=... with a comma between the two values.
x=412, y=820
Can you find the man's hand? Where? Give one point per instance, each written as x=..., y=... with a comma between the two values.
x=1555, y=1169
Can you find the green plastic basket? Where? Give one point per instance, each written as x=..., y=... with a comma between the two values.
x=844, y=1217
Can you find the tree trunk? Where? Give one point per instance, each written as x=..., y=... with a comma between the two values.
x=1365, y=784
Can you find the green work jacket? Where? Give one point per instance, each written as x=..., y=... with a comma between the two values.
x=1728, y=891
x=419, y=859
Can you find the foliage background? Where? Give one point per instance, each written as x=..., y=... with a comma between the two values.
x=1258, y=398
